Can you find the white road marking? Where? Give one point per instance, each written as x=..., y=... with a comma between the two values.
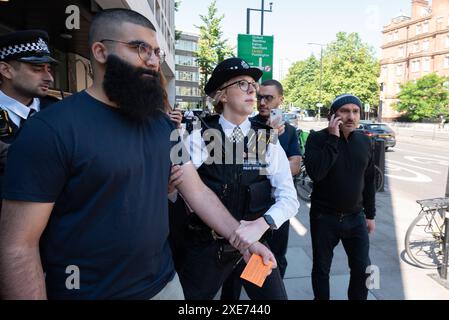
x=420, y=153
x=427, y=160
x=298, y=227
x=412, y=166
x=418, y=177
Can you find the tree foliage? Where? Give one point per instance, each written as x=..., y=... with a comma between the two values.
x=212, y=48
x=425, y=98
x=349, y=66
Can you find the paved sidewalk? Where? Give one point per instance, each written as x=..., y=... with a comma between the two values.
x=399, y=280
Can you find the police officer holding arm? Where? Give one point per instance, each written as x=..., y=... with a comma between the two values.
x=249, y=172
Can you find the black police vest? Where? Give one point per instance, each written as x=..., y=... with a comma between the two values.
x=240, y=186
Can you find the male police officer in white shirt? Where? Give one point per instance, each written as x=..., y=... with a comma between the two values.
x=25, y=78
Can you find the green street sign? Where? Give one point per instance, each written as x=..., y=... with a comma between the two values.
x=258, y=52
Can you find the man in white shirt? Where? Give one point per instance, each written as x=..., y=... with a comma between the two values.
x=249, y=171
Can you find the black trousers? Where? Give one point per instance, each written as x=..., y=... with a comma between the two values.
x=202, y=274
x=278, y=243
x=327, y=230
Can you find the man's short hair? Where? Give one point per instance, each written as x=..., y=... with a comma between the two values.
x=275, y=83
x=106, y=24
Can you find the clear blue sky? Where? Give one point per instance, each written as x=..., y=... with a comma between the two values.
x=294, y=23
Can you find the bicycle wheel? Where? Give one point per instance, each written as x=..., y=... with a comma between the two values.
x=424, y=239
x=303, y=185
x=379, y=178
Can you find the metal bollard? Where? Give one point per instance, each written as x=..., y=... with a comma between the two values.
x=379, y=158
x=445, y=247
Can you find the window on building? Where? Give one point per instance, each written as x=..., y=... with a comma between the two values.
x=400, y=52
x=425, y=27
x=418, y=29
x=399, y=70
x=425, y=45
x=186, y=45
x=188, y=91
x=151, y=3
x=396, y=36
x=187, y=76
x=390, y=37
x=384, y=72
x=416, y=47
x=426, y=65
x=446, y=62
x=397, y=88
x=446, y=42
x=415, y=66
x=186, y=61
x=439, y=23
x=158, y=14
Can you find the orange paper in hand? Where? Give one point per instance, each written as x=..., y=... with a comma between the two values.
x=256, y=271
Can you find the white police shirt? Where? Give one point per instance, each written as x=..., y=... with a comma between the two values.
x=16, y=110
x=278, y=170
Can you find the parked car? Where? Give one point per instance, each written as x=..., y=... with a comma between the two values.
x=379, y=131
x=291, y=118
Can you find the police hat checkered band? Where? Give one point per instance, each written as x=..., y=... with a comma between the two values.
x=40, y=47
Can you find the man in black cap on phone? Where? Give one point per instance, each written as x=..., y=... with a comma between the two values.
x=340, y=162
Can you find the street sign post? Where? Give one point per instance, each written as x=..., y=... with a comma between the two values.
x=258, y=52
x=367, y=111
x=319, y=105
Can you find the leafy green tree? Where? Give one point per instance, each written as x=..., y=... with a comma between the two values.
x=301, y=86
x=212, y=48
x=349, y=66
x=425, y=98
x=177, y=32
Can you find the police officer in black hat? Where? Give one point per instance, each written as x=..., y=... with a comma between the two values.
x=25, y=71
x=25, y=78
x=243, y=175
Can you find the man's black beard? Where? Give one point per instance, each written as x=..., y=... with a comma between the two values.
x=137, y=91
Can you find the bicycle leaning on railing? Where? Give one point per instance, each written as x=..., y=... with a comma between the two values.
x=425, y=237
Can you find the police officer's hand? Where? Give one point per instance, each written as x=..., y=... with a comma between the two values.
x=176, y=117
x=248, y=233
x=334, y=125
x=263, y=251
x=371, y=225
x=175, y=178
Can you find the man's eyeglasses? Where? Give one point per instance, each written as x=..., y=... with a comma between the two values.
x=243, y=85
x=268, y=98
x=144, y=50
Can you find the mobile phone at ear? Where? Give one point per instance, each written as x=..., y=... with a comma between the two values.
x=276, y=118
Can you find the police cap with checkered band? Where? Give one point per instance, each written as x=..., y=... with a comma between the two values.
x=229, y=69
x=29, y=46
